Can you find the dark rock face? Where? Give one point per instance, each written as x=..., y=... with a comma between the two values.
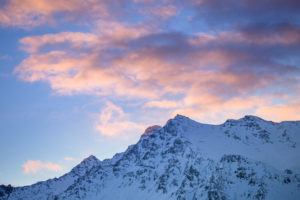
x=5, y=191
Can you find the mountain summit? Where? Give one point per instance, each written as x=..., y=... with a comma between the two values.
x=249, y=158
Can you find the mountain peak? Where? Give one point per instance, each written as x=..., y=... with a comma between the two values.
x=251, y=118
x=246, y=119
x=151, y=128
x=181, y=117
x=86, y=165
x=91, y=158
x=90, y=161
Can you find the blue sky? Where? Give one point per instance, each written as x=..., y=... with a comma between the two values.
x=88, y=77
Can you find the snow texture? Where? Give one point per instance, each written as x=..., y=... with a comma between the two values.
x=249, y=158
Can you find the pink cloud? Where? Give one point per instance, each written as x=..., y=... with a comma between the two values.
x=280, y=112
x=70, y=70
x=83, y=73
x=207, y=108
x=30, y=13
x=161, y=11
x=211, y=108
x=35, y=166
x=162, y=104
x=117, y=34
x=113, y=122
x=75, y=39
x=69, y=159
x=201, y=75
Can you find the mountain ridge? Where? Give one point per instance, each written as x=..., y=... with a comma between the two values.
x=192, y=151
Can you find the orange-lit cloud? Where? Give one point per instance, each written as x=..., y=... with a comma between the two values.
x=206, y=80
x=30, y=13
x=35, y=166
x=69, y=159
x=236, y=71
x=76, y=39
x=212, y=108
x=77, y=71
x=162, y=104
x=281, y=112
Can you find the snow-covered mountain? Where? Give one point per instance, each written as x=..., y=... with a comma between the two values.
x=249, y=158
x=48, y=189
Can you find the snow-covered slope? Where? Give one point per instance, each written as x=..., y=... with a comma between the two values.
x=48, y=189
x=249, y=158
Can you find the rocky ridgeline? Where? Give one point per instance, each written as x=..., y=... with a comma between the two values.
x=249, y=158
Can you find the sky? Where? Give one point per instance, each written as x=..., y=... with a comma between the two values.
x=82, y=77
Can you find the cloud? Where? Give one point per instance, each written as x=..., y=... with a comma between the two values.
x=5, y=57
x=271, y=34
x=230, y=13
x=77, y=66
x=30, y=13
x=161, y=11
x=234, y=68
x=212, y=108
x=69, y=159
x=75, y=39
x=82, y=64
x=161, y=104
x=150, y=66
x=35, y=166
x=113, y=122
x=289, y=111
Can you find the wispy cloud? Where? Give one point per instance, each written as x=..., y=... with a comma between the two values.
x=113, y=122
x=162, y=104
x=161, y=11
x=35, y=166
x=5, y=57
x=69, y=159
x=30, y=13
